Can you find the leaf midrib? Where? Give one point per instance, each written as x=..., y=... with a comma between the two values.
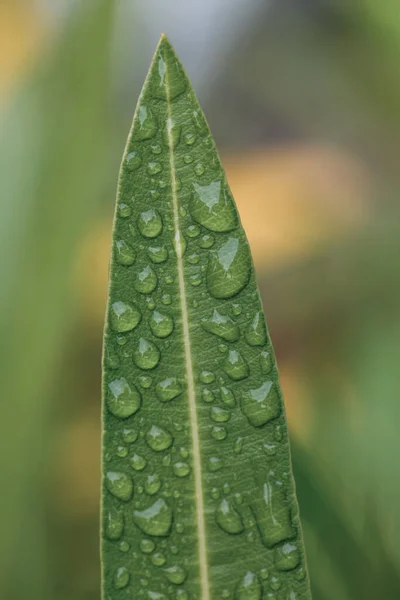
x=199, y=502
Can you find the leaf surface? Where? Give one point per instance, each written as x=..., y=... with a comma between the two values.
x=198, y=495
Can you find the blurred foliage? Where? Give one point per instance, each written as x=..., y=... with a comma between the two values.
x=314, y=171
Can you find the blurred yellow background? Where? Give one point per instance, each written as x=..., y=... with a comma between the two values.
x=303, y=98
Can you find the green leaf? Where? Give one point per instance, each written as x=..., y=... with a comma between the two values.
x=196, y=462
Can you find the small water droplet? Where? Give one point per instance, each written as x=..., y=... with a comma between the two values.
x=228, y=518
x=129, y=436
x=190, y=139
x=214, y=464
x=156, y=149
x=286, y=557
x=206, y=376
x=199, y=169
x=147, y=546
x=162, y=183
x=124, y=210
x=256, y=333
x=152, y=484
x=221, y=326
x=195, y=280
x=124, y=317
x=167, y=63
x=272, y=513
x=161, y=324
x=138, y=462
x=215, y=493
x=264, y=574
x=261, y=405
x=157, y=254
x=238, y=446
x=227, y=396
x=219, y=415
x=193, y=231
x=181, y=469
x=146, y=125
x=153, y=168
x=274, y=583
x=235, y=366
x=146, y=355
x=219, y=432
x=150, y=223
x=158, y=559
x=188, y=158
x=158, y=439
x=236, y=309
x=166, y=299
x=121, y=578
x=122, y=451
x=119, y=485
x=206, y=241
x=145, y=381
x=265, y=362
x=133, y=161
x=249, y=587
x=156, y=520
x=114, y=524
x=123, y=399
x=212, y=205
x=111, y=357
x=278, y=434
x=269, y=449
x=124, y=254
x=168, y=389
x=229, y=268
x=169, y=279
x=207, y=395
x=175, y=574
x=146, y=281
x=193, y=259
x=182, y=595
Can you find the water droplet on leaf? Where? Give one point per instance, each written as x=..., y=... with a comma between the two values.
x=124, y=317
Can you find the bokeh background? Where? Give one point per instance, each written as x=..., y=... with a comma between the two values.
x=303, y=98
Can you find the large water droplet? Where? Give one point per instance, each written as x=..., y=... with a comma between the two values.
x=133, y=161
x=175, y=574
x=158, y=439
x=161, y=325
x=228, y=517
x=146, y=125
x=150, y=223
x=168, y=389
x=146, y=281
x=121, y=578
x=249, y=588
x=235, y=366
x=219, y=415
x=212, y=207
x=256, y=334
x=272, y=513
x=171, y=133
x=229, y=268
x=222, y=326
x=147, y=355
x=119, y=485
x=156, y=520
x=124, y=254
x=124, y=316
x=227, y=397
x=261, y=405
x=152, y=484
x=114, y=524
x=287, y=557
x=124, y=399
x=157, y=254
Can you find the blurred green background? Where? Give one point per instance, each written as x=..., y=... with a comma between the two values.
x=303, y=98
